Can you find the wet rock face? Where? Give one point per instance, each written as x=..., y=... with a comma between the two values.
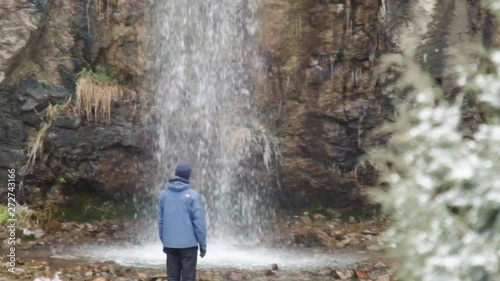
x=321, y=82
x=43, y=45
x=19, y=20
x=321, y=92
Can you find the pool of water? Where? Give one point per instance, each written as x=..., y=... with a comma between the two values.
x=226, y=256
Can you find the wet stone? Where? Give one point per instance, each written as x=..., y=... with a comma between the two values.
x=142, y=276
x=345, y=273
x=269, y=273
x=236, y=276
x=305, y=219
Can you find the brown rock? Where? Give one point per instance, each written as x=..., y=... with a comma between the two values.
x=361, y=274
x=345, y=273
x=142, y=276
x=306, y=219
x=53, y=226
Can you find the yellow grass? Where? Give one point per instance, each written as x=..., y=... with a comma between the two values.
x=35, y=142
x=94, y=97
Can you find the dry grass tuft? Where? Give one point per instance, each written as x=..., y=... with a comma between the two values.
x=35, y=142
x=95, y=92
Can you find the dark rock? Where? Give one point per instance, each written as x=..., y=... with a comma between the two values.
x=270, y=273
x=67, y=77
x=12, y=132
x=274, y=266
x=33, y=118
x=67, y=122
x=32, y=93
x=52, y=227
x=11, y=158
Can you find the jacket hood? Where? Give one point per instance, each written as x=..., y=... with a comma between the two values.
x=178, y=185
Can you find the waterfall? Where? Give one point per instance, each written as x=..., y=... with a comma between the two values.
x=204, y=66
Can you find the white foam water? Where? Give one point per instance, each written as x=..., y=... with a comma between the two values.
x=56, y=278
x=226, y=256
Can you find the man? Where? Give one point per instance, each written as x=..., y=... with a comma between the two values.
x=182, y=227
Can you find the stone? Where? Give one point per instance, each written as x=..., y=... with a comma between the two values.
x=53, y=226
x=99, y=279
x=379, y=273
x=384, y=278
x=236, y=276
x=36, y=95
x=142, y=276
x=66, y=226
x=89, y=273
x=274, y=266
x=380, y=264
x=369, y=232
x=355, y=242
x=19, y=20
x=334, y=214
x=37, y=233
x=352, y=220
x=306, y=219
x=361, y=274
x=67, y=122
x=269, y=273
x=345, y=273
x=319, y=217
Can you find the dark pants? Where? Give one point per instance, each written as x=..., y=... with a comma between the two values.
x=181, y=263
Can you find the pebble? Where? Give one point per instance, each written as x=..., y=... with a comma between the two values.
x=345, y=273
x=306, y=219
x=274, y=267
x=319, y=217
x=142, y=276
x=368, y=232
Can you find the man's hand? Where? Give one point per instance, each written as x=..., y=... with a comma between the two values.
x=203, y=252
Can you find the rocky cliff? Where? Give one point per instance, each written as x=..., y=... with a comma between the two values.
x=320, y=92
x=323, y=92
x=43, y=45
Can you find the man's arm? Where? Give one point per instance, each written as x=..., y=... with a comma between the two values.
x=159, y=211
x=199, y=223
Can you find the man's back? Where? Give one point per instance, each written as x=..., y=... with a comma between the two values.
x=181, y=225
x=181, y=218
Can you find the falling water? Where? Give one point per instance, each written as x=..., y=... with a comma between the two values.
x=206, y=66
x=204, y=89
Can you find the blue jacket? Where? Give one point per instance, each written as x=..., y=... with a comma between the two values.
x=181, y=216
